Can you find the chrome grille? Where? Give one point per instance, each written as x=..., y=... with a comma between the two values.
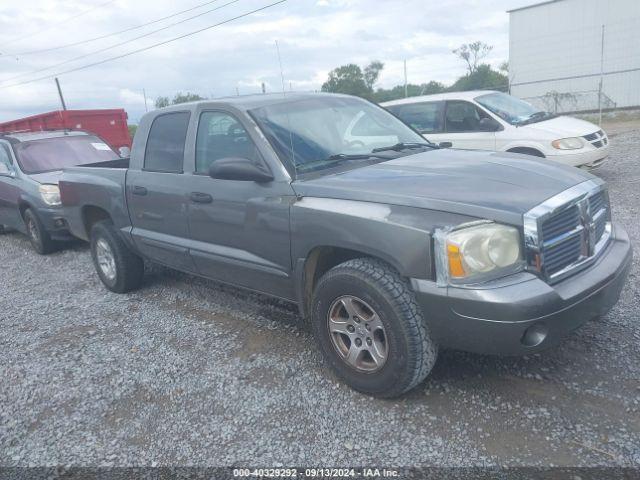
x=597, y=139
x=568, y=231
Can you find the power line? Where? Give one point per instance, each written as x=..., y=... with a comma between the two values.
x=73, y=17
x=90, y=54
x=102, y=37
x=133, y=52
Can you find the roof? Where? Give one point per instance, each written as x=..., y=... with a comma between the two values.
x=18, y=137
x=539, y=4
x=470, y=95
x=258, y=100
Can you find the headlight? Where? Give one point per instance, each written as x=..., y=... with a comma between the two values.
x=573, y=143
x=477, y=251
x=50, y=195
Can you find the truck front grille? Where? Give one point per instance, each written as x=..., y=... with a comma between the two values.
x=567, y=232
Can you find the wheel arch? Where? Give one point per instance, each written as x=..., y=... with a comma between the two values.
x=527, y=151
x=92, y=214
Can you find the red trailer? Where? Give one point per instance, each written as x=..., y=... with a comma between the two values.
x=110, y=125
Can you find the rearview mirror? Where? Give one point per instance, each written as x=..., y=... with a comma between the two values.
x=6, y=170
x=489, y=125
x=241, y=169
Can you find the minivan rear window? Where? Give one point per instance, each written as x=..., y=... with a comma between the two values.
x=56, y=153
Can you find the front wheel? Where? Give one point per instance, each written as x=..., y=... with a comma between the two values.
x=370, y=328
x=38, y=236
x=120, y=269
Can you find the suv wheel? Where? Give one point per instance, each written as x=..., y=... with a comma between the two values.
x=38, y=235
x=118, y=267
x=370, y=328
x=2, y=229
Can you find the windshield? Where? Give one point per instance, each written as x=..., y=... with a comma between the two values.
x=510, y=109
x=45, y=155
x=324, y=131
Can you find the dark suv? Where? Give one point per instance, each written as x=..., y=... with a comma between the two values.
x=30, y=165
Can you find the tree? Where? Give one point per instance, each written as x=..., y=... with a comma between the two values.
x=180, y=97
x=472, y=54
x=386, y=95
x=351, y=80
x=483, y=77
x=162, y=102
x=371, y=73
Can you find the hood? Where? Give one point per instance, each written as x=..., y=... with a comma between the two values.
x=489, y=185
x=47, y=177
x=561, y=127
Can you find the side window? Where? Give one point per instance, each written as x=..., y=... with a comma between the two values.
x=220, y=135
x=424, y=117
x=165, y=145
x=5, y=156
x=463, y=117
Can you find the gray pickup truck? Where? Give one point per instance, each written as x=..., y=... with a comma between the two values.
x=391, y=247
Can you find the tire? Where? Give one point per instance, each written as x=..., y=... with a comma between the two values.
x=2, y=229
x=400, y=351
x=38, y=236
x=119, y=269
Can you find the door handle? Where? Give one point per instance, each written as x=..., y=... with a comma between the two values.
x=199, y=197
x=136, y=190
x=445, y=144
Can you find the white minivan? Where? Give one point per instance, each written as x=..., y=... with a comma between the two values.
x=488, y=120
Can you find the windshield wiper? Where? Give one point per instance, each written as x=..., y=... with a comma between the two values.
x=403, y=146
x=536, y=116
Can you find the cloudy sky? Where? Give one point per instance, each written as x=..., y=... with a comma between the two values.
x=314, y=37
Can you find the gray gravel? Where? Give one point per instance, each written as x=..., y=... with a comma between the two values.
x=188, y=372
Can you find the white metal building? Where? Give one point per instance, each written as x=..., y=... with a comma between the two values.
x=559, y=51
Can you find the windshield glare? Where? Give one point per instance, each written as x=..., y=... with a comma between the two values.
x=49, y=154
x=510, y=109
x=320, y=128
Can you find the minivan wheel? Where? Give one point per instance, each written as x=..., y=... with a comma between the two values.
x=38, y=236
x=119, y=269
x=370, y=328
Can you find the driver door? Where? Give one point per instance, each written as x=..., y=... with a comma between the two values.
x=239, y=229
x=462, y=127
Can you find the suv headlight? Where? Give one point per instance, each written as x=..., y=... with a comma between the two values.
x=50, y=195
x=478, y=251
x=573, y=143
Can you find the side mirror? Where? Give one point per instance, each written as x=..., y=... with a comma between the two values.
x=124, y=152
x=489, y=125
x=241, y=169
x=6, y=170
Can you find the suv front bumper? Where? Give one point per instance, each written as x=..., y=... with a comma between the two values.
x=524, y=314
x=54, y=223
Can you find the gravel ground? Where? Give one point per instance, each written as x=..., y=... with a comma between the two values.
x=188, y=372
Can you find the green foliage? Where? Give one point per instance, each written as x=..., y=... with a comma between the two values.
x=482, y=78
x=132, y=130
x=386, y=95
x=351, y=80
x=180, y=97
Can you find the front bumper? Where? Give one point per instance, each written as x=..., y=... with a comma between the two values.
x=590, y=158
x=523, y=314
x=55, y=223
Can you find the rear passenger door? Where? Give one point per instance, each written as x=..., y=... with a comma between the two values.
x=157, y=194
x=9, y=189
x=462, y=127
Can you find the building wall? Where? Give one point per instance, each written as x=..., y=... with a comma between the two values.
x=555, y=54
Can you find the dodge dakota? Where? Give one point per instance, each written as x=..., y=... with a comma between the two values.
x=391, y=247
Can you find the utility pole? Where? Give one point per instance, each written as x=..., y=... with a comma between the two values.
x=601, y=78
x=281, y=71
x=264, y=88
x=144, y=94
x=406, y=84
x=64, y=105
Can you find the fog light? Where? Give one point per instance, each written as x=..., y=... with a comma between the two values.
x=534, y=335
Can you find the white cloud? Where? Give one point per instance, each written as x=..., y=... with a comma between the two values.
x=314, y=36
